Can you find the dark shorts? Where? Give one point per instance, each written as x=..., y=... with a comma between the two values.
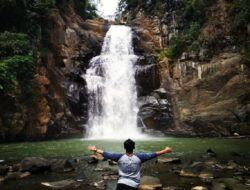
x=121, y=186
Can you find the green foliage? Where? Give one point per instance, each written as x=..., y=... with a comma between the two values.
x=14, y=44
x=128, y=4
x=16, y=64
x=13, y=15
x=162, y=53
x=85, y=9
x=16, y=71
x=178, y=44
x=42, y=4
x=240, y=13
x=195, y=10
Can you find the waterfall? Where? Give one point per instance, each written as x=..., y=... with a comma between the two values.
x=112, y=88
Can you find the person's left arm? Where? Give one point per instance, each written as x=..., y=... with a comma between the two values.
x=107, y=155
x=148, y=156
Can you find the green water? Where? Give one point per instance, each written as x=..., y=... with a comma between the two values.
x=182, y=147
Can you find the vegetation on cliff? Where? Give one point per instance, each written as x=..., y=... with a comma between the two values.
x=239, y=12
x=195, y=15
x=17, y=64
x=25, y=24
x=25, y=38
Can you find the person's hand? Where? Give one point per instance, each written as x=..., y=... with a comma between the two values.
x=92, y=148
x=168, y=149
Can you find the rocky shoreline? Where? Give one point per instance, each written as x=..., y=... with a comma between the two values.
x=94, y=172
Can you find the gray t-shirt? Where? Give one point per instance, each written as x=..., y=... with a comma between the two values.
x=129, y=166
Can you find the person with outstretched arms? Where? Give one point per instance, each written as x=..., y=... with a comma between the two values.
x=129, y=163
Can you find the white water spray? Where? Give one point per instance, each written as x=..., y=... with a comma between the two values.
x=112, y=88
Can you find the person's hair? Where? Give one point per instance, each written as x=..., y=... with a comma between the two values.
x=129, y=145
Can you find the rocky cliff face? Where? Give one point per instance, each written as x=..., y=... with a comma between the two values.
x=208, y=86
x=74, y=42
x=60, y=102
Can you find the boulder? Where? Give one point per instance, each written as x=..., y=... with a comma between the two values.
x=110, y=177
x=229, y=183
x=161, y=92
x=99, y=184
x=1, y=179
x=150, y=183
x=206, y=176
x=16, y=175
x=247, y=181
x=147, y=78
x=3, y=170
x=61, y=165
x=99, y=169
x=169, y=160
x=35, y=165
x=112, y=163
x=193, y=170
x=209, y=154
x=172, y=188
x=60, y=184
x=199, y=188
x=16, y=167
x=231, y=165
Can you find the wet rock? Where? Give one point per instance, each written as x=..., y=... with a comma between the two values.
x=169, y=160
x=236, y=154
x=209, y=154
x=99, y=169
x=99, y=184
x=147, y=78
x=4, y=170
x=24, y=174
x=60, y=184
x=149, y=182
x=16, y=175
x=162, y=92
x=147, y=101
x=218, y=186
x=193, y=170
x=112, y=163
x=1, y=179
x=2, y=161
x=35, y=164
x=231, y=165
x=206, y=176
x=247, y=181
x=154, y=112
x=172, y=188
x=211, y=162
x=16, y=167
x=229, y=183
x=176, y=170
x=110, y=176
x=199, y=188
x=61, y=165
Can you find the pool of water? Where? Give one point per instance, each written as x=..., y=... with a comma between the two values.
x=182, y=147
x=188, y=149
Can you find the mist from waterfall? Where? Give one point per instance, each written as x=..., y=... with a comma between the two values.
x=112, y=88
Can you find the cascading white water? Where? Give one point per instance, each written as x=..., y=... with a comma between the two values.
x=112, y=88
